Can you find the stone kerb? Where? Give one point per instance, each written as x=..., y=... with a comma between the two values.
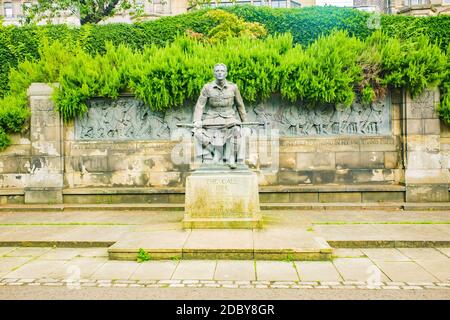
x=46, y=168
x=426, y=177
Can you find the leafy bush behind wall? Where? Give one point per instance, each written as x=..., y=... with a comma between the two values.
x=87, y=63
x=330, y=70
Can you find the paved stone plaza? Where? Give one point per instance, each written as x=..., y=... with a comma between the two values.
x=402, y=268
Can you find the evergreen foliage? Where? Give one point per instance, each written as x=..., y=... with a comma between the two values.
x=163, y=67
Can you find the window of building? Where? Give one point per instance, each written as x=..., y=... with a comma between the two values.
x=416, y=2
x=259, y=3
x=279, y=4
x=8, y=7
x=25, y=5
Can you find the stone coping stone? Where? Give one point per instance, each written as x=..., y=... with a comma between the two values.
x=262, y=189
x=429, y=206
x=221, y=223
x=336, y=188
x=12, y=192
x=31, y=207
x=388, y=243
x=58, y=244
x=95, y=191
x=333, y=206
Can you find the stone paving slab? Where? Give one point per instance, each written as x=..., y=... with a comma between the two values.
x=317, y=271
x=6, y=250
x=414, y=231
x=7, y=264
x=115, y=270
x=28, y=252
x=35, y=269
x=445, y=251
x=357, y=269
x=155, y=270
x=195, y=269
x=173, y=239
x=61, y=233
x=440, y=269
x=235, y=270
x=383, y=254
x=60, y=254
x=79, y=266
x=350, y=232
x=93, y=252
x=423, y=254
x=276, y=271
x=348, y=253
x=406, y=272
x=219, y=239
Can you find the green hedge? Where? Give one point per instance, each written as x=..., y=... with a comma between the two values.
x=305, y=24
x=20, y=43
x=437, y=28
x=413, y=63
x=330, y=70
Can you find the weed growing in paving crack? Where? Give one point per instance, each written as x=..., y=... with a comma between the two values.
x=143, y=256
x=289, y=258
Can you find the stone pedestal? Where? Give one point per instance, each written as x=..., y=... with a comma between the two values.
x=426, y=177
x=46, y=176
x=222, y=198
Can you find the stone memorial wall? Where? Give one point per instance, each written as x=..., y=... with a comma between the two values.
x=397, y=143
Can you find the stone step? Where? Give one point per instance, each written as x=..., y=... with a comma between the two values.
x=262, y=189
x=332, y=206
x=91, y=207
x=271, y=244
x=444, y=206
x=57, y=243
x=388, y=243
x=388, y=206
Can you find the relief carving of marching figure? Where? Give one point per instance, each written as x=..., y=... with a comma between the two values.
x=127, y=118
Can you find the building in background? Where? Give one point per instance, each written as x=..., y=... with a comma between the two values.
x=11, y=10
x=269, y=3
x=405, y=7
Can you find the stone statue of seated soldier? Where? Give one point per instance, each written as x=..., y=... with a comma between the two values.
x=217, y=131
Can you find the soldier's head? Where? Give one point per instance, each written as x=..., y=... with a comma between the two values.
x=220, y=71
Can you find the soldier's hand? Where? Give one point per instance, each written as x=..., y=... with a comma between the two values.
x=197, y=124
x=246, y=131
